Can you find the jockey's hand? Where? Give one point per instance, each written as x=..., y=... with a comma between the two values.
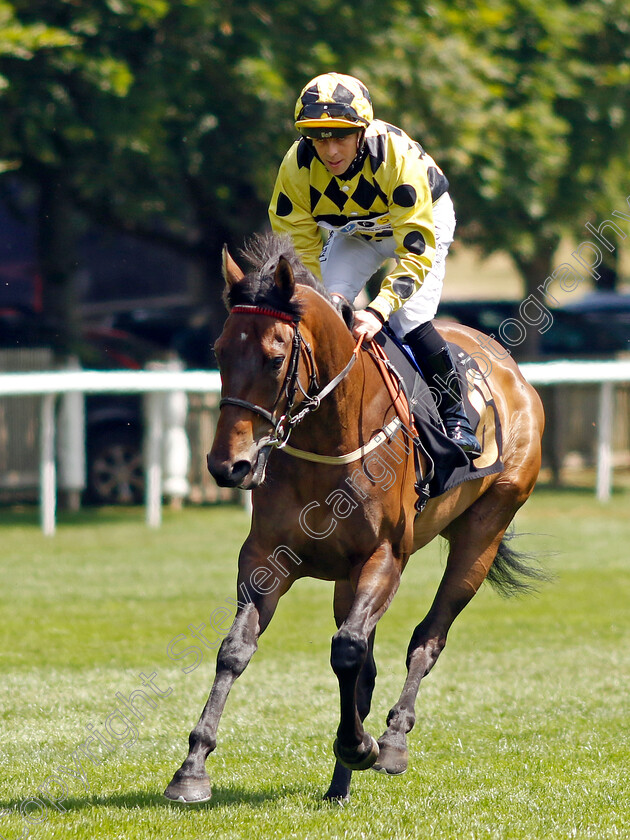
x=365, y=323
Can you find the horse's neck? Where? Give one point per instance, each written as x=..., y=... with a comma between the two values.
x=345, y=413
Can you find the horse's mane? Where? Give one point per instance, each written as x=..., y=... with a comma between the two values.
x=258, y=287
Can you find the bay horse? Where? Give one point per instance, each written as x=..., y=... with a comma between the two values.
x=289, y=365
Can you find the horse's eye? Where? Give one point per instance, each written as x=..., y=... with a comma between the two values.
x=277, y=362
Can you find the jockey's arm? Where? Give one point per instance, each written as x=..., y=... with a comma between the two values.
x=411, y=215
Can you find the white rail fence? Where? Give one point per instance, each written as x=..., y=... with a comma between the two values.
x=165, y=389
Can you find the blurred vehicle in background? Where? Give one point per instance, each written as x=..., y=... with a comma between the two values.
x=585, y=329
x=188, y=331
x=616, y=303
x=604, y=311
x=596, y=326
x=114, y=423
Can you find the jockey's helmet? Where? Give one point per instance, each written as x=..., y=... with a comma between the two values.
x=333, y=105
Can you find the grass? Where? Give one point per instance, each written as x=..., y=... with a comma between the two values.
x=521, y=732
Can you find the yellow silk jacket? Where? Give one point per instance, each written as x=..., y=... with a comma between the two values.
x=389, y=190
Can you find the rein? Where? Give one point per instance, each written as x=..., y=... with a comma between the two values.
x=284, y=424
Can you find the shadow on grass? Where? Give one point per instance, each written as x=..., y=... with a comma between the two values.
x=26, y=515
x=556, y=489
x=576, y=490
x=222, y=796
x=29, y=514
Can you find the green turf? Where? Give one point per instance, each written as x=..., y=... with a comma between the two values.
x=522, y=728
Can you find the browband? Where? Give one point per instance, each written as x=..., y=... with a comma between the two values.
x=247, y=309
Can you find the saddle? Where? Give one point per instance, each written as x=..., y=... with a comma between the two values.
x=448, y=464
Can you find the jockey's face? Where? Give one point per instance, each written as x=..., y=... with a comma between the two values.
x=337, y=153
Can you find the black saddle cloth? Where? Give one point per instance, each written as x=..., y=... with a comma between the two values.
x=451, y=466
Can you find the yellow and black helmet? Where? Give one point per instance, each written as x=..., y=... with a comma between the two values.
x=333, y=105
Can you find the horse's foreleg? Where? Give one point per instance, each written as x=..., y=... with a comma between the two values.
x=191, y=783
x=474, y=540
x=339, y=788
x=376, y=583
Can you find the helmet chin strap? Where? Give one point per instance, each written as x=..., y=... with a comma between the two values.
x=357, y=162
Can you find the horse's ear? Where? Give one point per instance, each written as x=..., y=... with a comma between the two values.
x=231, y=272
x=284, y=279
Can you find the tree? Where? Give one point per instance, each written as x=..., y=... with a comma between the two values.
x=526, y=106
x=168, y=120
x=45, y=59
x=596, y=178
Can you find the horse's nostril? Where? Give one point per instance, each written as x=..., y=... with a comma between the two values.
x=227, y=474
x=240, y=470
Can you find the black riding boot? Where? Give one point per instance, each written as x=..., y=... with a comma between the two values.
x=438, y=368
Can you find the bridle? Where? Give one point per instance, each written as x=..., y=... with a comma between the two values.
x=294, y=412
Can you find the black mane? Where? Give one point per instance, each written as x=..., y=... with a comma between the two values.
x=263, y=252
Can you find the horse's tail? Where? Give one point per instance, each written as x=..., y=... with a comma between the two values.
x=515, y=572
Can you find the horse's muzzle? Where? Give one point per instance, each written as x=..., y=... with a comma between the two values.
x=241, y=473
x=227, y=474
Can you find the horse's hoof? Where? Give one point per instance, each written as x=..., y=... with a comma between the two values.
x=337, y=794
x=188, y=789
x=353, y=759
x=336, y=799
x=391, y=760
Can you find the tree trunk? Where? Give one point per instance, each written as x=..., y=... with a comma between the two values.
x=56, y=241
x=609, y=272
x=534, y=269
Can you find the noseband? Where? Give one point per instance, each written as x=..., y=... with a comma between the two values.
x=283, y=425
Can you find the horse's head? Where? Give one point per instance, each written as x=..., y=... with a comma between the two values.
x=259, y=354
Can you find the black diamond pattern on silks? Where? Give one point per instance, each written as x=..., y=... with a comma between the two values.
x=365, y=91
x=419, y=148
x=342, y=94
x=438, y=182
x=335, y=194
x=366, y=194
x=305, y=154
x=376, y=151
x=311, y=95
x=393, y=129
x=315, y=196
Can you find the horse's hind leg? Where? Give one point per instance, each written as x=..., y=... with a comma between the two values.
x=339, y=789
x=474, y=539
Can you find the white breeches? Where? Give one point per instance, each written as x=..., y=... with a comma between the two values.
x=348, y=262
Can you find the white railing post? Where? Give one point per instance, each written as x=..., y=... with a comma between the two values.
x=176, y=449
x=604, y=441
x=47, y=472
x=71, y=443
x=153, y=454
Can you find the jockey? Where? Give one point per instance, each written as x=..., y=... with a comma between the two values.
x=380, y=196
